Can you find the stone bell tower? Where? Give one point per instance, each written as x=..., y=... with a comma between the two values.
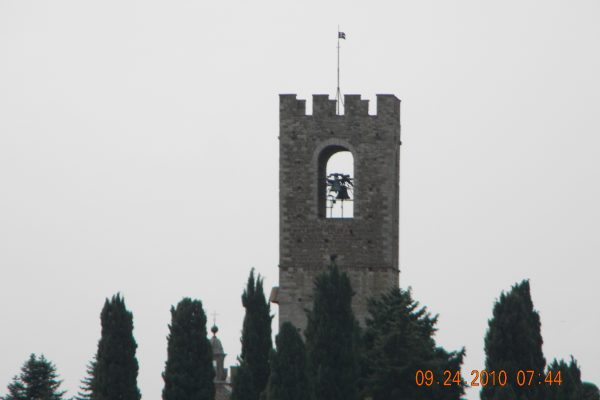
x=363, y=244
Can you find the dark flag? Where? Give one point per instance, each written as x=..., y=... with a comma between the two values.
x=341, y=35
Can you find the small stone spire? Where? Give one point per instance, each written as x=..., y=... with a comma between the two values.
x=218, y=353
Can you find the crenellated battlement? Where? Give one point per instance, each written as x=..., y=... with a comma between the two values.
x=354, y=105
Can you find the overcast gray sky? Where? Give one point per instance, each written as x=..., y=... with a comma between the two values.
x=139, y=153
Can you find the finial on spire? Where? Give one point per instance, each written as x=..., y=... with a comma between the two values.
x=214, y=328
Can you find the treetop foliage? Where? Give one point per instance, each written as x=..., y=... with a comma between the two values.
x=189, y=372
x=116, y=366
x=38, y=380
x=399, y=342
x=514, y=341
x=571, y=387
x=253, y=373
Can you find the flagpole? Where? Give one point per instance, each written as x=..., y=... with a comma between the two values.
x=338, y=93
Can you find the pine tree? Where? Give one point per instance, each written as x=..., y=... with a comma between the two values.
x=253, y=373
x=288, y=380
x=332, y=339
x=116, y=369
x=514, y=342
x=87, y=384
x=38, y=380
x=189, y=372
x=398, y=342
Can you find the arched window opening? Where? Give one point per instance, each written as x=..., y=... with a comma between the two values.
x=336, y=183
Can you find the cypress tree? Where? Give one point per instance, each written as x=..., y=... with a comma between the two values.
x=116, y=367
x=570, y=387
x=288, y=380
x=189, y=372
x=243, y=383
x=513, y=342
x=332, y=339
x=398, y=342
x=253, y=373
x=38, y=380
x=504, y=393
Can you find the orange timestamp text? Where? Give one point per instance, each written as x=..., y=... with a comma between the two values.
x=482, y=378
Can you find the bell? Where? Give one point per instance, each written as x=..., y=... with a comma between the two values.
x=342, y=193
x=335, y=186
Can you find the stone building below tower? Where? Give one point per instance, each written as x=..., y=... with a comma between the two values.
x=222, y=384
